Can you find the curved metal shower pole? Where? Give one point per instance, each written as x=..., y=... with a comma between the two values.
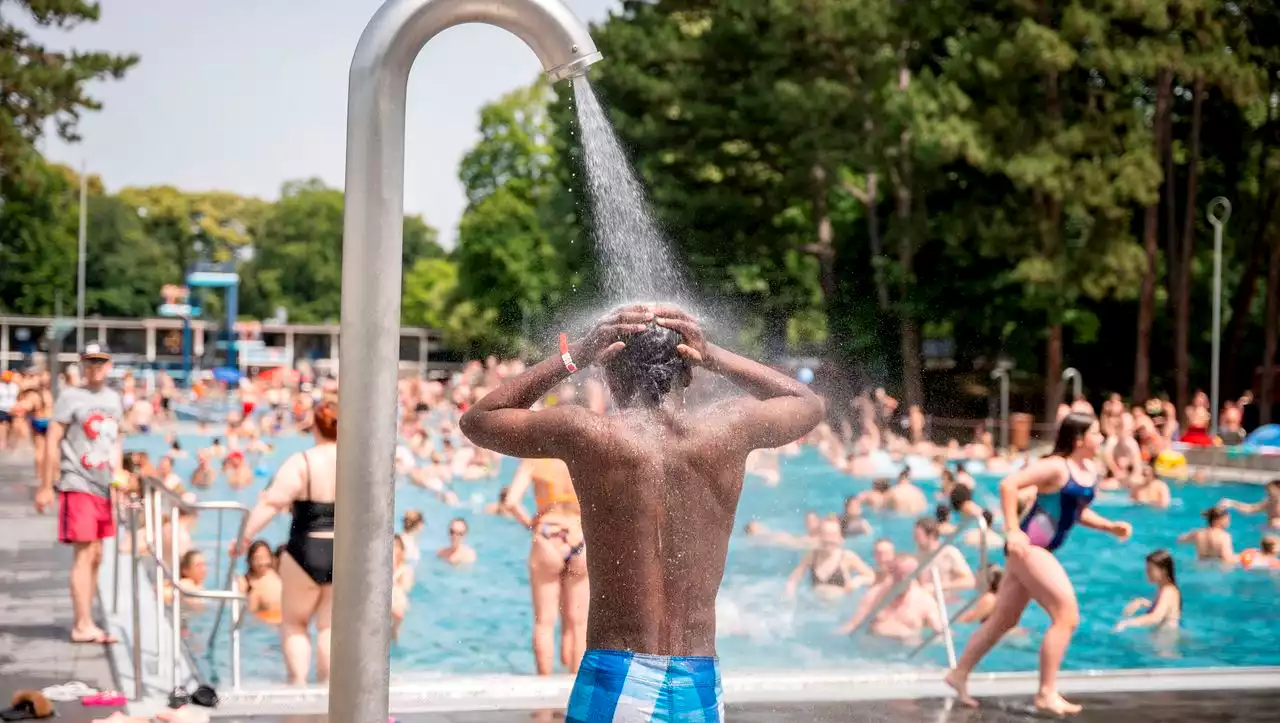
x=370, y=351
x=1077, y=382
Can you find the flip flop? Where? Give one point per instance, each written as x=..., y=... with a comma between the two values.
x=27, y=705
x=107, y=698
x=69, y=691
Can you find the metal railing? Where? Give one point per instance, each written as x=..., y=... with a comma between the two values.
x=151, y=505
x=926, y=564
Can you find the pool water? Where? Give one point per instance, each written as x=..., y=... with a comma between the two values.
x=479, y=620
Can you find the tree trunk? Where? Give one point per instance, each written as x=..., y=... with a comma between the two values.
x=1151, y=221
x=824, y=249
x=869, y=198
x=1242, y=300
x=1182, y=290
x=1053, y=386
x=1268, y=197
x=909, y=328
x=1266, y=392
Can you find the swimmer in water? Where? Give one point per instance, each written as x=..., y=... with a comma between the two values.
x=1263, y=558
x=1166, y=611
x=659, y=485
x=832, y=569
x=1065, y=486
x=877, y=498
x=261, y=584
x=557, y=561
x=904, y=497
x=1269, y=505
x=1212, y=541
x=852, y=523
x=1148, y=489
x=457, y=552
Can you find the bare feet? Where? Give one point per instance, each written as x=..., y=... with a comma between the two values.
x=960, y=684
x=93, y=635
x=1055, y=704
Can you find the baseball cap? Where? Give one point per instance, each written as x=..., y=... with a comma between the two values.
x=95, y=350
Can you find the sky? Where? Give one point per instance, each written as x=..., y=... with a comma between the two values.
x=242, y=95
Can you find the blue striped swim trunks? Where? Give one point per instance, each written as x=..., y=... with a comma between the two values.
x=615, y=686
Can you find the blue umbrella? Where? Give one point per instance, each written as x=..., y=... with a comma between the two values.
x=227, y=375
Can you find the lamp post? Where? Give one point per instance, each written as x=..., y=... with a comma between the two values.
x=1001, y=372
x=1218, y=220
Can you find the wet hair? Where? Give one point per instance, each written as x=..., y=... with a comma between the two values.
x=942, y=513
x=959, y=467
x=1163, y=561
x=928, y=526
x=1072, y=429
x=989, y=518
x=881, y=485
x=647, y=368
x=1269, y=545
x=412, y=521
x=326, y=420
x=960, y=494
x=905, y=474
x=465, y=527
x=188, y=557
x=248, y=557
x=1213, y=514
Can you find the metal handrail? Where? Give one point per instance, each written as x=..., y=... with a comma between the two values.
x=151, y=503
x=980, y=590
x=924, y=564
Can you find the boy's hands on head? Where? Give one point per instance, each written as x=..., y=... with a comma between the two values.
x=694, y=348
x=606, y=338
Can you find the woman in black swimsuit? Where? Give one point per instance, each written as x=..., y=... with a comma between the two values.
x=304, y=484
x=832, y=569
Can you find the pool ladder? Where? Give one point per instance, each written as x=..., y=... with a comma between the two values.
x=927, y=564
x=151, y=505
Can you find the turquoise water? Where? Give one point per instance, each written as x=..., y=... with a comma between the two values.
x=478, y=620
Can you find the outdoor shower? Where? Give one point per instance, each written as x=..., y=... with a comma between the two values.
x=370, y=325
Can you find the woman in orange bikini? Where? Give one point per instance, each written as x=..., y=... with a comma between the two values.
x=557, y=561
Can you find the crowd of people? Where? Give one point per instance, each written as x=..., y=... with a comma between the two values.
x=635, y=469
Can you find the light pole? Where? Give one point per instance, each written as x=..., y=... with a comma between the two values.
x=1077, y=382
x=1001, y=372
x=84, y=224
x=1218, y=220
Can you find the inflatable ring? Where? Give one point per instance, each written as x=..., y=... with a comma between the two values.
x=1169, y=463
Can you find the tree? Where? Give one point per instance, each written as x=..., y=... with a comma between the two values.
x=507, y=267
x=43, y=86
x=37, y=239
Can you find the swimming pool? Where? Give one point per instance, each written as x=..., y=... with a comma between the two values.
x=479, y=620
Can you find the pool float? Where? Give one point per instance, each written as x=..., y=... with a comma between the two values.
x=1170, y=464
x=1268, y=435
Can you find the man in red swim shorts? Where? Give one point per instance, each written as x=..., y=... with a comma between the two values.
x=85, y=428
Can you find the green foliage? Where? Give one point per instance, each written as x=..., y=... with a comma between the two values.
x=37, y=239
x=44, y=86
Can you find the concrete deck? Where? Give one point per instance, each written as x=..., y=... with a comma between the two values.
x=35, y=606
x=1197, y=707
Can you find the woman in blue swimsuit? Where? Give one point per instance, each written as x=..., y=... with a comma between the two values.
x=1064, y=483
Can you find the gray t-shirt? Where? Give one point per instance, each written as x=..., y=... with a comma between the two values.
x=90, y=437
